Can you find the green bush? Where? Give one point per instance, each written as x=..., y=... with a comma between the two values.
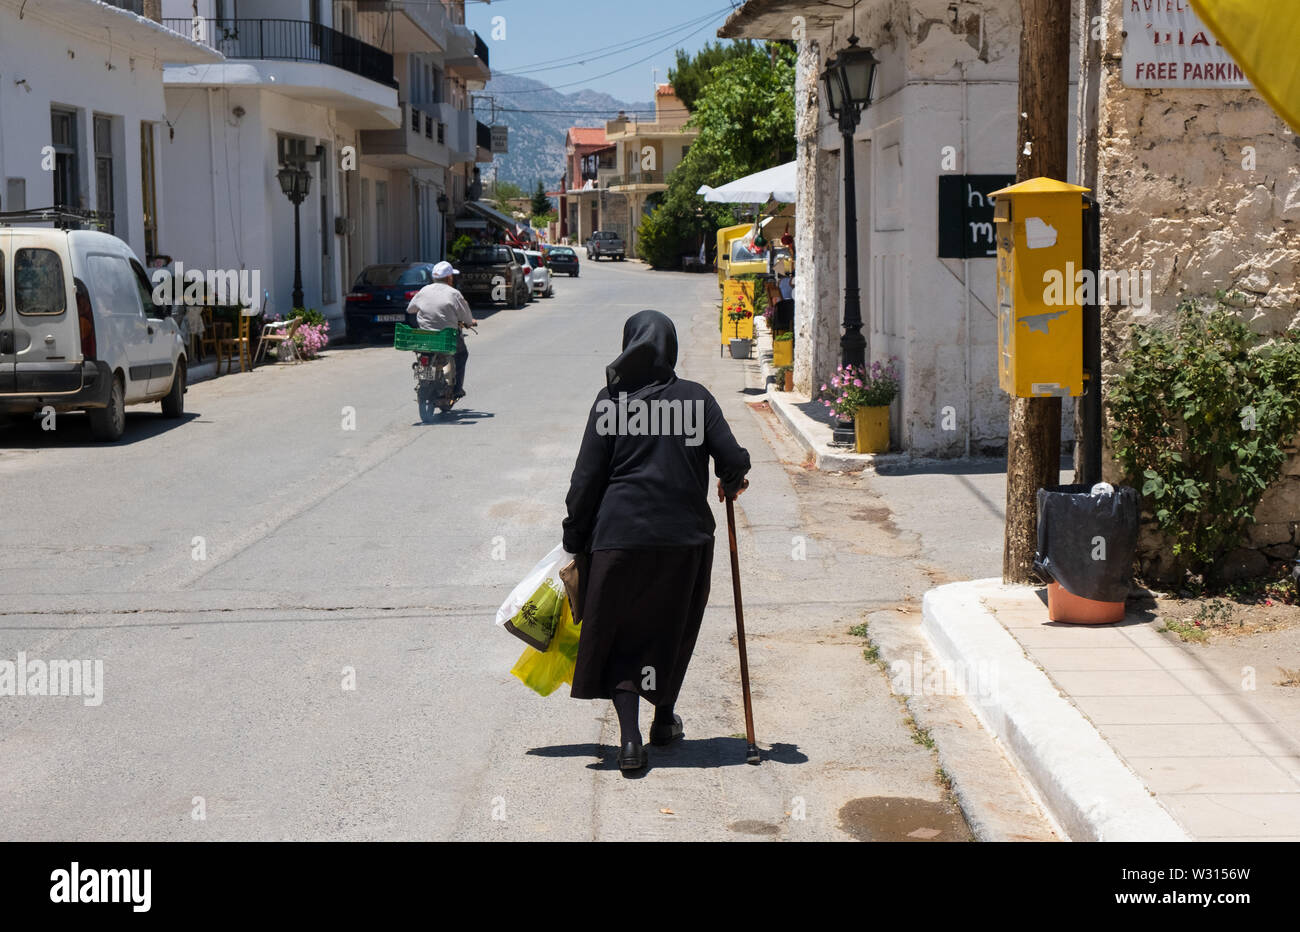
x=309, y=317
x=1201, y=414
x=462, y=243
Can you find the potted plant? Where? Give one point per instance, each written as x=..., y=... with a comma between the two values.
x=785, y=378
x=739, y=347
x=783, y=349
x=312, y=335
x=865, y=396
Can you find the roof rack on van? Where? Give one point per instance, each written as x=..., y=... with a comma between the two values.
x=63, y=218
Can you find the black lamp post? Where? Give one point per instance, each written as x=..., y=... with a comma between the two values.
x=849, y=80
x=295, y=182
x=444, y=204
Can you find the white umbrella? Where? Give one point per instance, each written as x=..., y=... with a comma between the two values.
x=771, y=184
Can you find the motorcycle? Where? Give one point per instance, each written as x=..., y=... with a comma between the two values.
x=435, y=382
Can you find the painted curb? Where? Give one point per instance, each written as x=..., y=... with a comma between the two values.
x=1088, y=790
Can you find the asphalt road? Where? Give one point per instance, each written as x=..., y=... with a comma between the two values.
x=291, y=592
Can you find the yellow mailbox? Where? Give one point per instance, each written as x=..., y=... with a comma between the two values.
x=1040, y=251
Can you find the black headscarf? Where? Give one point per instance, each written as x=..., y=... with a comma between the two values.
x=648, y=357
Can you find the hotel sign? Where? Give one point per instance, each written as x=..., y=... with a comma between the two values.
x=1167, y=45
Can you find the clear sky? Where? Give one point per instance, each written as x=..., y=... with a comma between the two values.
x=575, y=44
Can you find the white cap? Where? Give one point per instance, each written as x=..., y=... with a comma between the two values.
x=444, y=270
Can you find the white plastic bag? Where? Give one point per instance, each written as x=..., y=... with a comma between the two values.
x=533, y=609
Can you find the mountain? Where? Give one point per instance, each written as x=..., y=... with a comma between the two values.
x=536, y=131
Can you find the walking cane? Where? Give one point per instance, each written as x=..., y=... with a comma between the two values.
x=751, y=753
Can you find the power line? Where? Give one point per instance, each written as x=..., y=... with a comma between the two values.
x=614, y=71
x=582, y=58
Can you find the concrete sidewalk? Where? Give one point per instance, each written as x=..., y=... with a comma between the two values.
x=1119, y=731
x=1124, y=731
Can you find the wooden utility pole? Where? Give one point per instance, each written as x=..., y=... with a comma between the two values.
x=1034, y=431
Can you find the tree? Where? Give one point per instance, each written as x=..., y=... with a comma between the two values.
x=1034, y=430
x=691, y=73
x=503, y=192
x=541, y=203
x=745, y=115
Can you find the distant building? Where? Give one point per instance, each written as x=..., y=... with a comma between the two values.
x=646, y=153
x=589, y=164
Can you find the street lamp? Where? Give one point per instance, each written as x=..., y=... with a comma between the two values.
x=295, y=182
x=849, y=80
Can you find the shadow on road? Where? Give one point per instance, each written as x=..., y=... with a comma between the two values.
x=457, y=416
x=73, y=430
x=703, y=754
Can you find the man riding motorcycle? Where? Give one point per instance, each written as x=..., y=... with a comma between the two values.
x=438, y=306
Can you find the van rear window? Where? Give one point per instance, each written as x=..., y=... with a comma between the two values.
x=38, y=282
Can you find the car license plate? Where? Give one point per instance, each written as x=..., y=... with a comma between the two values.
x=389, y=318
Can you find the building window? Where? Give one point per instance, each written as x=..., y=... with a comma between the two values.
x=63, y=135
x=442, y=132
x=104, y=170
x=149, y=192
x=291, y=149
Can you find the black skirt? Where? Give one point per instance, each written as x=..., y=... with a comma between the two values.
x=641, y=612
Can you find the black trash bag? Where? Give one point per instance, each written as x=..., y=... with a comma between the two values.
x=1087, y=543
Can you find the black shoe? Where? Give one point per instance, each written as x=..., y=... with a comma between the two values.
x=460, y=393
x=661, y=735
x=632, y=758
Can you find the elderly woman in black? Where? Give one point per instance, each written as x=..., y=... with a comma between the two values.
x=640, y=523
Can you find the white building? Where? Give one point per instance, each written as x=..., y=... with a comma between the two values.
x=371, y=97
x=944, y=107
x=83, y=121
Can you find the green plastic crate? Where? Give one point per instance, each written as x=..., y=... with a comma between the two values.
x=424, y=341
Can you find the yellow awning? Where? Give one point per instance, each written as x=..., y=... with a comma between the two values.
x=1262, y=38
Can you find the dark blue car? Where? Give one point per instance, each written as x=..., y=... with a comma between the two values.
x=562, y=259
x=379, y=298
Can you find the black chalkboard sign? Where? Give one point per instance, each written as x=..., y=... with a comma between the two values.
x=966, y=228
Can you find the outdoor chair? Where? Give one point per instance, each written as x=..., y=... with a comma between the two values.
x=238, y=343
x=213, y=336
x=280, y=333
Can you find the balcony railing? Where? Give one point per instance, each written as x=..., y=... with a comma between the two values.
x=484, y=136
x=290, y=40
x=481, y=50
x=636, y=178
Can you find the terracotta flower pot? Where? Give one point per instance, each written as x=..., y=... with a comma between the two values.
x=871, y=429
x=789, y=380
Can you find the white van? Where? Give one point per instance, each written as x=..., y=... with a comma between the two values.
x=79, y=330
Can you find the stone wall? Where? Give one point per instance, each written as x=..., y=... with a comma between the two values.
x=1183, y=196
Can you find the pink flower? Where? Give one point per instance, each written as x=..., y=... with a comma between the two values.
x=857, y=383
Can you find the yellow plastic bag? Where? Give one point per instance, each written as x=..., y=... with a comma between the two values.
x=544, y=671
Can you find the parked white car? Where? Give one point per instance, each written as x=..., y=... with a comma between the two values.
x=528, y=272
x=542, y=284
x=79, y=330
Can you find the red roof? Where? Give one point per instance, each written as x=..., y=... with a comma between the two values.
x=665, y=90
x=587, y=136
